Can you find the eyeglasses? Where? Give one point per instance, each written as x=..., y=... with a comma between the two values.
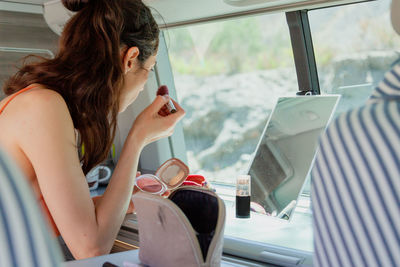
x=168, y=176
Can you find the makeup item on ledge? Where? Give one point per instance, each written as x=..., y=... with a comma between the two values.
x=243, y=196
x=168, y=176
x=197, y=180
x=168, y=108
x=285, y=213
x=256, y=207
x=109, y=264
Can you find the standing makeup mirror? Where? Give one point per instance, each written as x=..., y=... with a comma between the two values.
x=286, y=150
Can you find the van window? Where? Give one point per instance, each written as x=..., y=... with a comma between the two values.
x=13, y=57
x=354, y=46
x=23, y=34
x=228, y=76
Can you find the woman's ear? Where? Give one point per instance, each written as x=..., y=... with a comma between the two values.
x=129, y=58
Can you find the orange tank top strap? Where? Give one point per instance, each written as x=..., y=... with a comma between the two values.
x=16, y=94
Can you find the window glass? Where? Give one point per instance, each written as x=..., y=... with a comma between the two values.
x=12, y=58
x=354, y=46
x=228, y=76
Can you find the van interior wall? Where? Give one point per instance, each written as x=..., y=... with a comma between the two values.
x=22, y=34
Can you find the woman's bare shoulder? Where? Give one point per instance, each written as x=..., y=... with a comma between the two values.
x=39, y=101
x=42, y=96
x=39, y=107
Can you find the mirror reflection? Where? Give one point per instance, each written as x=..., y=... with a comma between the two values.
x=173, y=175
x=286, y=149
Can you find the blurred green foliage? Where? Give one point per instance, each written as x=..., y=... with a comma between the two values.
x=232, y=46
x=263, y=42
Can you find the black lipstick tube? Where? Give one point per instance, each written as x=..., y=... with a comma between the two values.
x=243, y=196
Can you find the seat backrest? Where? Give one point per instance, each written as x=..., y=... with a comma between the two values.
x=356, y=180
x=24, y=236
x=356, y=189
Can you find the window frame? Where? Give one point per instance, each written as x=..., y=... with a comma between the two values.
x=248, y=249
x=308, y=83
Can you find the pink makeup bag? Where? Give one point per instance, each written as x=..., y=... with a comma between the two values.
x=185, y=229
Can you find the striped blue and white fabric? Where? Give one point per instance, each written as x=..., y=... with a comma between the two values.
x=24, y=237
x=356, y=183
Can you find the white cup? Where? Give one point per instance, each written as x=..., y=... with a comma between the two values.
x=104, y=174
x=92, y=178
x=99, y=174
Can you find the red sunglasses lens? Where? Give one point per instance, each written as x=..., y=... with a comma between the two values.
x=149, y=184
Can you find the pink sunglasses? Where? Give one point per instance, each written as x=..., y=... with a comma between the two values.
x=168, y=176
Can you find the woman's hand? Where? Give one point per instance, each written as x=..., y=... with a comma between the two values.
x=150, y=126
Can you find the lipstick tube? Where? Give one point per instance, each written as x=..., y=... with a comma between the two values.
x=163, y=90
x=243, y=196
x=170, y=106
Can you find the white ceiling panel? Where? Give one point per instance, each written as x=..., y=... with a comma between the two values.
x=183, y=12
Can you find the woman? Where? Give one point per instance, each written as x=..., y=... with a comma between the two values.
x=106, y=53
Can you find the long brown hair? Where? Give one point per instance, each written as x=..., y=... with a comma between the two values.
x=87, y=71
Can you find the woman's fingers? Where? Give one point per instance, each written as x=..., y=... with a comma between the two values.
x=174, y=118
x=177, y=106
x=158, y=103
x=166, y=193
x=180, y=112
x=135, y=190
x=152, y=125
x=131, y=207
x=163, y=111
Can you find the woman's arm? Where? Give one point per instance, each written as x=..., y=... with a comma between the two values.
x=131, y=208
x=45, y=133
